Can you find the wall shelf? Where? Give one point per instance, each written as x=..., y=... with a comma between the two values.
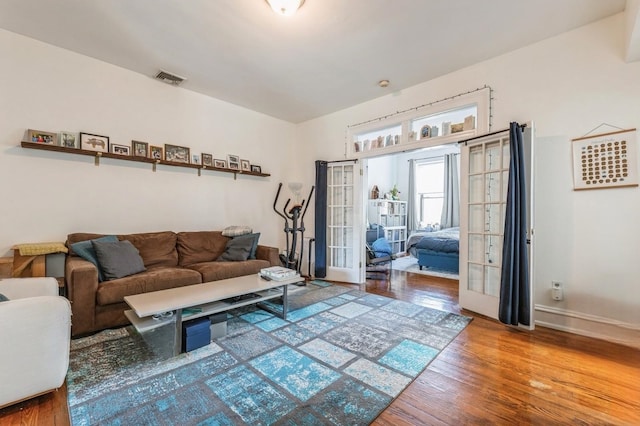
x=153, y=162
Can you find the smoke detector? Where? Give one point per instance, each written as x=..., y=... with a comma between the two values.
x=169, y=78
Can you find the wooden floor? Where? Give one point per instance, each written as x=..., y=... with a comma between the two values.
x=490, y=374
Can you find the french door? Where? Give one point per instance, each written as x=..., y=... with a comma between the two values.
x=483, y=195
x=343, y=227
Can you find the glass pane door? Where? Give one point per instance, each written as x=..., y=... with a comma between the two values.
x=485, y=170
x=343, y=253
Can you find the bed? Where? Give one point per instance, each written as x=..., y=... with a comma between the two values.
x=437, y=249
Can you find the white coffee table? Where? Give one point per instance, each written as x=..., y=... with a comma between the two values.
x=208, y=298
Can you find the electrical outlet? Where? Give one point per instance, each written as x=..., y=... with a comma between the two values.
x=556, y=290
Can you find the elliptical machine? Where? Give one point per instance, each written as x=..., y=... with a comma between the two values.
x=296, y=216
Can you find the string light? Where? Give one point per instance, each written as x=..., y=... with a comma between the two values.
x=416, y=108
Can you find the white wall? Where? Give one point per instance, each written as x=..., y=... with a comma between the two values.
x=567, y=85
x=588, y=240
x=381, y=173
x=48, y=195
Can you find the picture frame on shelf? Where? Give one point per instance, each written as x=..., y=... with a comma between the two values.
x=69, y=140
x=120, y=149
x=233, y=162
x=256, y=169
x=177, y=154
x=245, y=165
x=207, y=159
x=91, y=142
x=139, y=149
x=156, y=152
x=195, y=159
x=39, y=136
x=220, y=164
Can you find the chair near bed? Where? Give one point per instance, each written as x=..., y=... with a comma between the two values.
x=379, y=253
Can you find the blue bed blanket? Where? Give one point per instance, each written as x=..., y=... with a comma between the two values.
x=444, y=245
x=445, y=241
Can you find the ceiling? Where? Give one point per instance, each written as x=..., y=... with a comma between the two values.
x=327, y=57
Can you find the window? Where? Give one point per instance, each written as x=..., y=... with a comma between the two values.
x=429, y=187
x=442, y=122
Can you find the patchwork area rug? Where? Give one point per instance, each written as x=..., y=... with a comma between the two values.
x=410, y=264
x=341, y=357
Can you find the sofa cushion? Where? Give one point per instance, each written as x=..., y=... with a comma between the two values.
x=85, y=250
x=80, y=236
x=117, y=259
x=201, y=246
x=156, y=248
x=213, y=271
x=153, y=279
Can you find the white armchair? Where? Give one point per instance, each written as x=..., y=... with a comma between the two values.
x=35, y=331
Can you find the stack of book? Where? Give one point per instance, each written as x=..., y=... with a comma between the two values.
x=278, y=273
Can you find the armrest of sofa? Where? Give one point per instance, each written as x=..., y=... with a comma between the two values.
x=269, y=254
x=35, y=335
x=19, y=288
x=82, y=285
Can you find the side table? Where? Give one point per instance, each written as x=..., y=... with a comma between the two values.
x=29, y=260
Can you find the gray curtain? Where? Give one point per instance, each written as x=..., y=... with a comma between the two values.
x=514, y=305
x=451, y=204
x=412, y=204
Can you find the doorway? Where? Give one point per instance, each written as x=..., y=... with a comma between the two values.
x=414, y=211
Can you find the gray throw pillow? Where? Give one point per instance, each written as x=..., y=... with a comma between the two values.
x=118, y=259
x=3, y=298
x=237, y=249
x=85, y=250
x=254, y=243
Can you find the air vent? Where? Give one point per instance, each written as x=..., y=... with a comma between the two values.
x=169, y=78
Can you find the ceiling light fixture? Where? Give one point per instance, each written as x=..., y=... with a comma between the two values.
x=383, y=83
x=285, y=7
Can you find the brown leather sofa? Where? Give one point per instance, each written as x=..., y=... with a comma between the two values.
x=171, y=260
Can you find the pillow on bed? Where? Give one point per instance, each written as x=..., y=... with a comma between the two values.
x=381, y=247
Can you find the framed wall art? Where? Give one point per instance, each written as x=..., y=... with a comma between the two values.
x=38, y=136
x=220, y=164
x=177, y=154
x=69, y=140
x=256, y=169
x=207, y=160
x=156, y=152
x=195, y=159
x=139, y=149
x=605, y=160
x=120, y=149
x=245, y=165
x=234, y=162
x=91, y=142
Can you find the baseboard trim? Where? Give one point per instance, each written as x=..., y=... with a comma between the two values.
x=588, y=325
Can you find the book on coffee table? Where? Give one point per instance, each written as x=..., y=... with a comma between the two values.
x=278, y=273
